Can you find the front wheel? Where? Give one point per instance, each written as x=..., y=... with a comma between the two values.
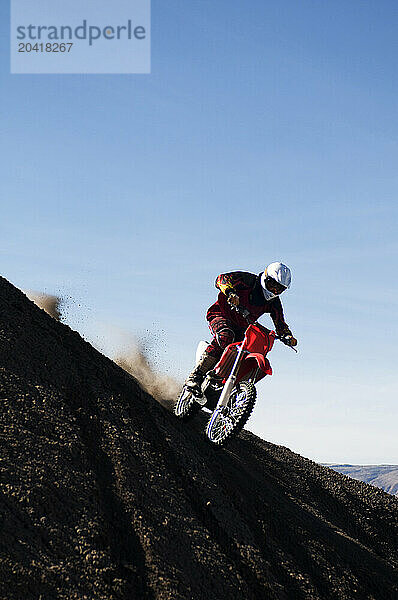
x=186, y=407
x=227, y=421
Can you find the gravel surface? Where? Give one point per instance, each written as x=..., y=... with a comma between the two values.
x=105, y=495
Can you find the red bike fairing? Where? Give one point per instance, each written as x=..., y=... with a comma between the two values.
x=258, y=341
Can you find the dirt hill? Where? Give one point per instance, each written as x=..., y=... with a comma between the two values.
x=383, y=476
x=105, y=495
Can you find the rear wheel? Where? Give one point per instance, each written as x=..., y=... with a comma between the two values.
x=186, y=407
x=227, y=421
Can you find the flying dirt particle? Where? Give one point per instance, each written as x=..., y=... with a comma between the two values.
x=163, y=388
x=51, y=304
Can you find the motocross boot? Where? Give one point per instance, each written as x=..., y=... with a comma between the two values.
x=196, y=377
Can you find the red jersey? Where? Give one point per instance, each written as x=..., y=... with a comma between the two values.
x=248, y=287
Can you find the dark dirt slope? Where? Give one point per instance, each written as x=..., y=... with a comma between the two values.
x=383, y=476
x=105, y=495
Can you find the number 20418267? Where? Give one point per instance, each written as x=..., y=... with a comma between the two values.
x=49, y=47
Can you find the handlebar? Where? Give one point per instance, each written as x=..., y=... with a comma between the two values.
x=246, y=314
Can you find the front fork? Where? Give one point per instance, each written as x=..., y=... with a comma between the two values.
x=230, y=383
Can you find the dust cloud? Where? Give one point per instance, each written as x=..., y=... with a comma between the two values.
x=163, y=388
x=51, y=304
x=134, y=360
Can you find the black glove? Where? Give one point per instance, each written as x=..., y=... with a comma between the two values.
x=289, y=340
x=233, y=299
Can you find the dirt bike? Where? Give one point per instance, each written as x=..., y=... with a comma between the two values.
x=229, y=389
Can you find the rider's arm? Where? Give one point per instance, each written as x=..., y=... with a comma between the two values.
x=234, y=282
x=276, y=312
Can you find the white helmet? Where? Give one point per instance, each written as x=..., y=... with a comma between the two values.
x=276, y=278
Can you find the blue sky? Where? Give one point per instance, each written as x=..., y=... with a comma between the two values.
x=266, y=131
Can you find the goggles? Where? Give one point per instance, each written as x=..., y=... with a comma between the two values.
x=274, y=286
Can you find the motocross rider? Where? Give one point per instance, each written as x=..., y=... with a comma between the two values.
x=259, y=294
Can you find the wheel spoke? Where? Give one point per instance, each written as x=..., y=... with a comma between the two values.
x=222, y=427
x=184, y=404
x=230, y=418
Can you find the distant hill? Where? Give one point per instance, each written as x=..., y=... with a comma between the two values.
x=104, y=494
x=382, y=476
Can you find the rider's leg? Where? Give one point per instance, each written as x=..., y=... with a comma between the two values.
x=223, y=336
x=196, y=377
